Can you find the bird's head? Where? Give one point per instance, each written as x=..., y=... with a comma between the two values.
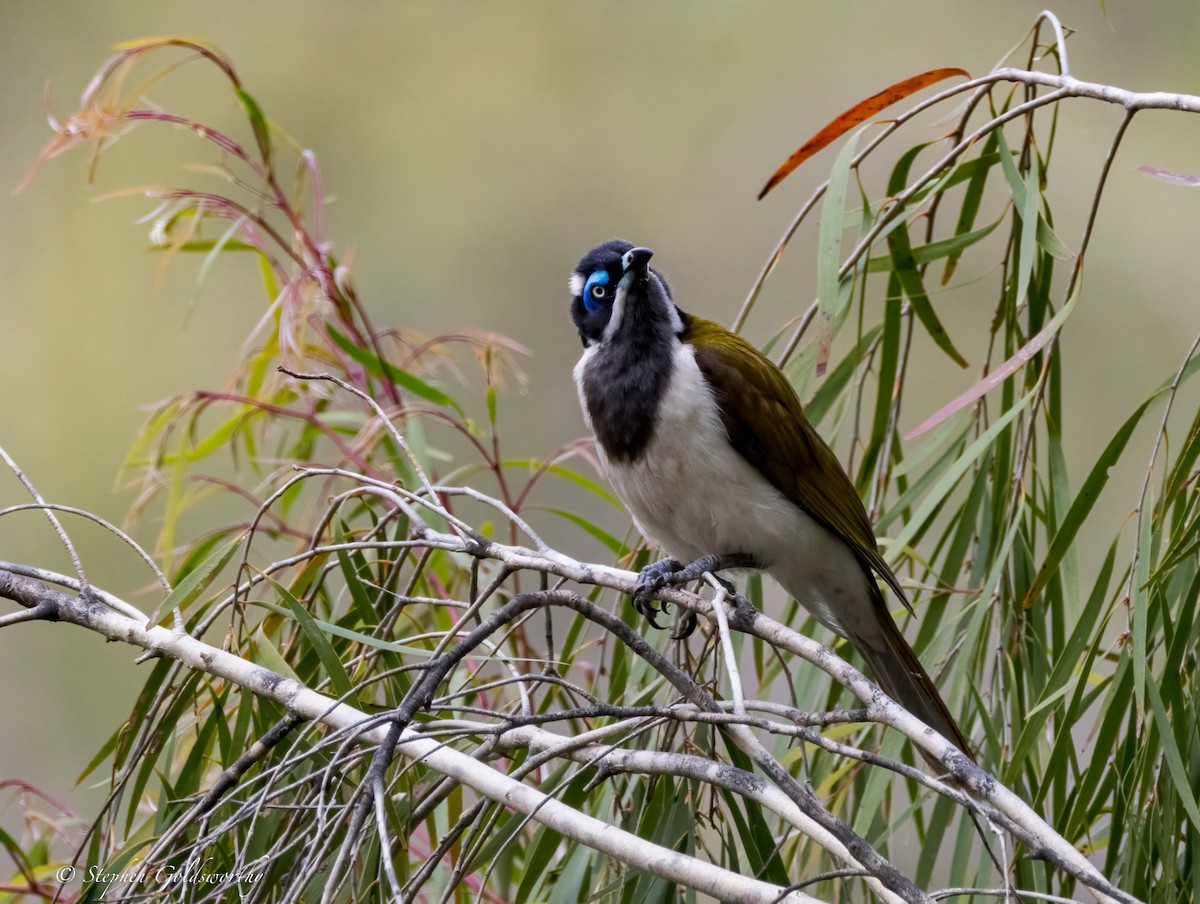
x=615, y=292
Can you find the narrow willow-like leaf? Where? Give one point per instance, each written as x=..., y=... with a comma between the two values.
x=1066, y=663
x=163, y=733
x=1139, y=604
x=836, y=382
x=914, y=287
x=190, y=774
x=1090, y=798
x=1017, y=186
x=877, y=784
x=666, y=823
x=197, y=580
x=1175, y=766
x=829, y=251
x=1085, y=500
x=264, y=652
x=338, y=678
x=757, y=840
x=385, y=369
x=353, y=565
x=592, y=486
x=972, y=199
x=547, y=841
x=955, y=473
x=108, y=747
x=569, y=887
x=1027, y=252
x=258, y=122
x=932, y=251
x=614, y=544
x=375, y=643
x=949, y=438
x=218, y=438
x=205, y=246
x=889, y=364
x=220, y=696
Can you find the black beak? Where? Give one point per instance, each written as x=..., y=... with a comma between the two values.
x=635, y=260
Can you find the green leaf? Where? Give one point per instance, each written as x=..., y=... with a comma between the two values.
x=1064, y=538
x=197, y=580
x=566, y=473
x=569, y=887
x=169, y=722
x=203, y=246
x=1046, y=237
x=1065, y=664
x=374, y=643
x=190, y=774
x=829, y=248
x=889, y=361
x=877, y=783
x=258, y=122
x=547, y=841
x=389, y=371
x=925, y=254
x=1179, y=773
x=1027, y=253
x=353, y=565
x=106, y=748
x=342, y=686
x=955, y=473
x=264, y=652
x=835, y=383
x=1139, y=603
x=612, y=543
x=219, y=438
x=972, y=198
x=914, y=287
x=753, y=831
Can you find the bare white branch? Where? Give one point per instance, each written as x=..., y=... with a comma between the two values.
x=309, y=704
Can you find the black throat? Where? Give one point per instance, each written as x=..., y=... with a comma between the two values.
x=626, y=378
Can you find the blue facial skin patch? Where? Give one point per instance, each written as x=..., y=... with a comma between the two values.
x=599, y=278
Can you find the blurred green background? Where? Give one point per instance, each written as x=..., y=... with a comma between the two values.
x=473, y=151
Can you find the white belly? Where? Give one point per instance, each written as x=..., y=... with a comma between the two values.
x=693, y=494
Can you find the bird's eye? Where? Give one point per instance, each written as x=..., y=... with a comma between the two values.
x=595, y=291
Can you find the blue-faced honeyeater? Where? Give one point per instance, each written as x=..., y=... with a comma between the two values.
x=706, y=443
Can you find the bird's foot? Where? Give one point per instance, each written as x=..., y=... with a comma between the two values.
x=670, y=573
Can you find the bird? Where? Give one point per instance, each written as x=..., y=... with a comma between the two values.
x=705, y=441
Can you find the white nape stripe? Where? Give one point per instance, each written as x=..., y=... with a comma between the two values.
x=618, y=309
x=576, y=285
x=581, y=366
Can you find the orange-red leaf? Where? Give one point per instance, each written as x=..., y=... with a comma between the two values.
x=858, y=113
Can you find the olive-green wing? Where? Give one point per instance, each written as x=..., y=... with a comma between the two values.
x=766, y=424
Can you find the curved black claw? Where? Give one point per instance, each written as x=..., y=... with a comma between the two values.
x=648, y=610
x=652, y=578
x=687, y=624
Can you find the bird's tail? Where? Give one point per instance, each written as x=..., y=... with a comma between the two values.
x=896, y=669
